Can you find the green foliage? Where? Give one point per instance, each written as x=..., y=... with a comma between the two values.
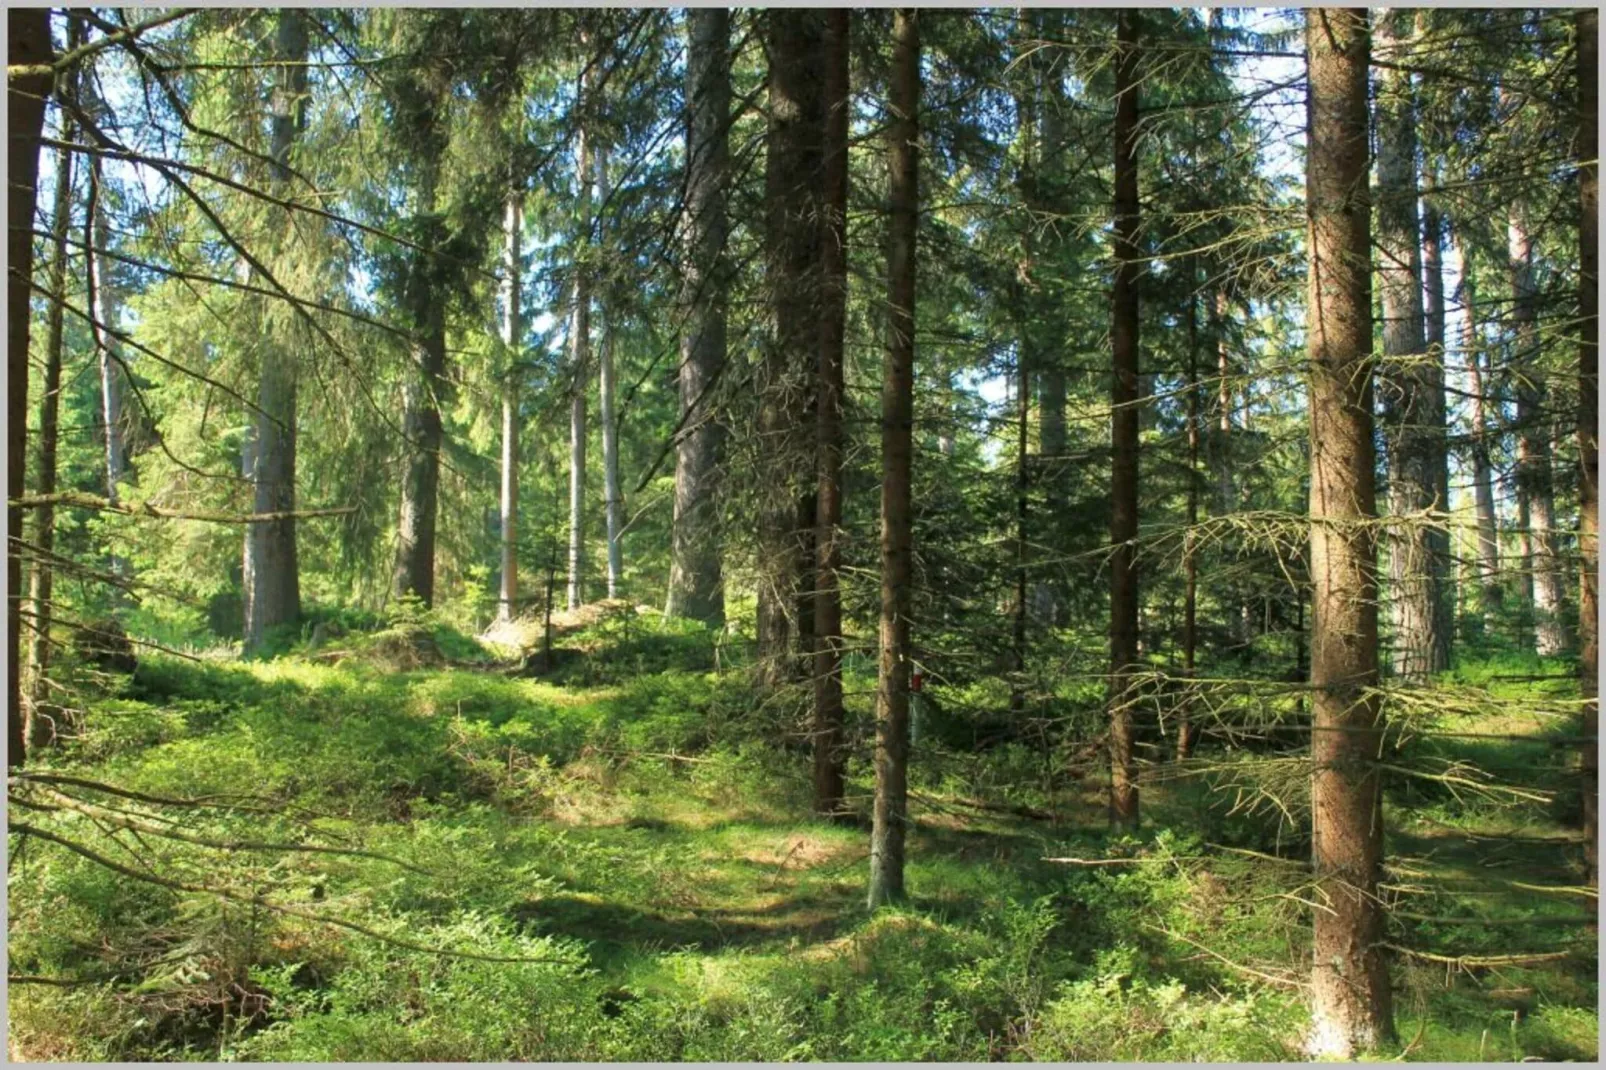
x=653, y=843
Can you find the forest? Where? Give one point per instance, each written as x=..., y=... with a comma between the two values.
x=781, y=534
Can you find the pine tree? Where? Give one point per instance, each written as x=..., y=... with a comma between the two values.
x=1587, y=27
x=1124, y=402
x=1413, y=378
x=792, y=188
x=695, y=581
x=270, y=547
x=828, y=711
x=28, y=45
x=897, y=419
x=513, y=342
x=41, y=575
x=1351, y=1005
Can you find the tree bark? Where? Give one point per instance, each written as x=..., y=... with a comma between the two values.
x=28, y=31
x=1023, y=505
x=612, y=500
x=828, y=711
x=41, y=576
x=512, y=343
x=1190, y=561
x=420, y=499
x=1351, y=1004
x=275, y=575
x=1408, y=381
x=1124, y=435
x=897, y=420
x=1437, y=429
x=1588, y=148
x=1226, y=481
x=580, y=369
x=1048, y=177
x=695, y=588
x=106, y=308
x=792, y=199
x=1488, y=534
x=1543, y=570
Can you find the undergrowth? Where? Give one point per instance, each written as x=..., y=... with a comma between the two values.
x=632, y=841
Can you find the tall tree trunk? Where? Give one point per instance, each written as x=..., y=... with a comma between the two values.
x=1048, y=177
x=695, y=588
x=613, y=501
x=1047, y=174
x=897, y=440
x=1437, y=419
x=1023, y=504
x=828, y=712
x=1407, y=381
x=1542, y=565
x=1351, y=1004
x=1226, y=475
x=792, y=191
x=1190, y=562
x=513, y=343
x=426, y=388
x=106, y=309
x=275, y=576
x=580, y=369
x=28, y=31
x=42, y=574
x=1027, y=310
x=1588, y=147
x=950, y=416
x=1488, y=534
x=1124, y=435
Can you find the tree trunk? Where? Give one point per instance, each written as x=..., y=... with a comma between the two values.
x=1048, y=175
x=1588, y=147
x=1023, y=501
x=512, y=342
x=785, y=439
x=580, y=369
x=1226, y=482
x=1542, y=565
x=1407, y=383
x=828, y=712
x=28, y=31
x=42, y=574
x=897, y=440
x=106, y=308
x=612, y=500
x=420, y=499
x=1437, y=429
x=1124, y=434
x=275, y=576
x=1488, y=534
x=1190, y=561
x=695, y=588
x=1351, y=1004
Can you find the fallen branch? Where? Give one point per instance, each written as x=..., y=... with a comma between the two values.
x=57, y=982
x=1282, y=982
x=1476, y=961
x=100, y=813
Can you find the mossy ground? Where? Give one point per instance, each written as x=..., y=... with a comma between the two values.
x=640, y=828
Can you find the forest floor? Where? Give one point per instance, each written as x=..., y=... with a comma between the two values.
x=634, y=830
